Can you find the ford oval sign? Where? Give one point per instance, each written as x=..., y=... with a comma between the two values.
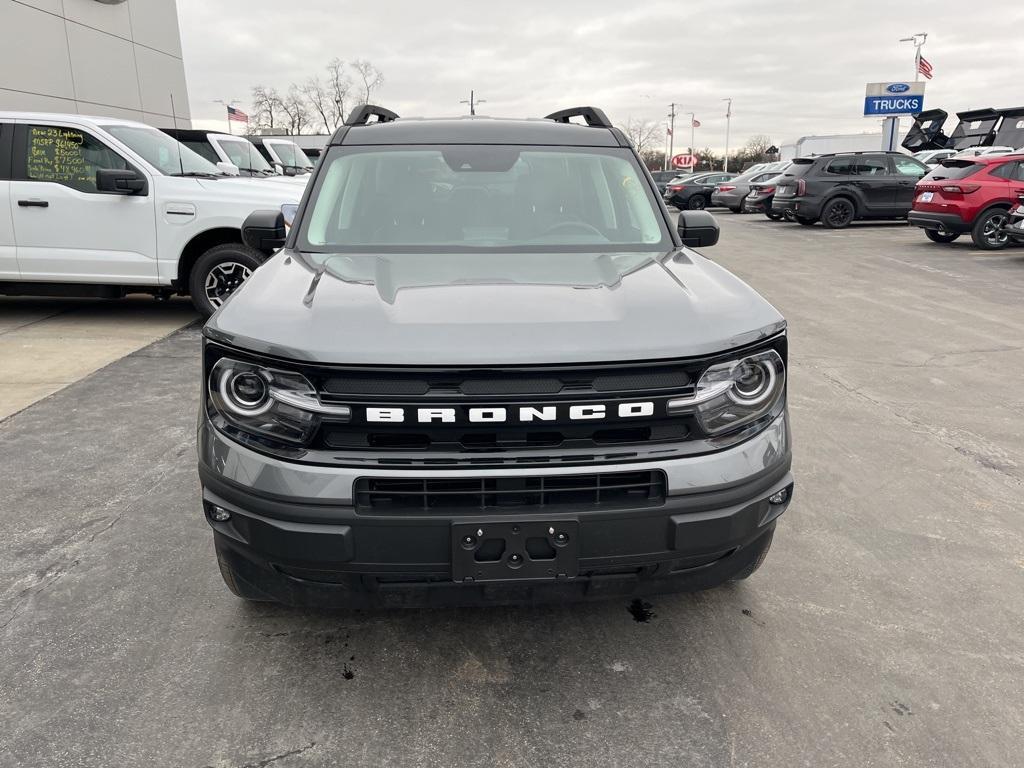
x=898, y=88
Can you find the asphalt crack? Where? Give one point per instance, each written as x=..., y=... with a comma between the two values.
x=267, y=761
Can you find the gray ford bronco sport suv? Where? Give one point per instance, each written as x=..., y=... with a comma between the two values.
x=484, y=367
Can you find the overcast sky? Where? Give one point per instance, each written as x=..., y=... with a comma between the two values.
x=792, y=67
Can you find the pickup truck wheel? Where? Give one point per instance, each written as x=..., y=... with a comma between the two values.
x=697, y=203
x=838, y=213
x=988, y=233
x=762, y=546
x=941, y=235
x=218, y=272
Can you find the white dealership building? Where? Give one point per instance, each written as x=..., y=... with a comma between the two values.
x=120, y=58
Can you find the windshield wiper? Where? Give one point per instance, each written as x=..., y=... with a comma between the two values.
x=199, y=174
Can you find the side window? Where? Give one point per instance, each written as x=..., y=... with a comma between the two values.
x=1018, y=172
x=67, y=156
x=866, y=165
x=908, y=166
x=1006, y=171
x=841, y=166
x=203, y=149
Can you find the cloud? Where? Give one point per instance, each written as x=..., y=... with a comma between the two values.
x=792, y=67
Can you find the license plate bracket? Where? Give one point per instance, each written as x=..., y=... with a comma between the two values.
x=507, y=550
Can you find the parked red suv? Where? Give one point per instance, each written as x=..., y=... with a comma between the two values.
x=969, y=195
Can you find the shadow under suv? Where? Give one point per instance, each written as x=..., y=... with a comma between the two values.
x=485, y=367
x=837, y=189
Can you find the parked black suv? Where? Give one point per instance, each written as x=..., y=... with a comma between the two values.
x=840, y=188
x=486, y=367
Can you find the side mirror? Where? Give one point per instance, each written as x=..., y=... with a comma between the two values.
x=229, y=168
x=290, y=170
x=119, y=182
x=264, y=230
x=697, y=229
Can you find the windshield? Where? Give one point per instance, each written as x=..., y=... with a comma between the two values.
x=164, y=153
x=290, y=154
x=465, y=197
x=243, y=154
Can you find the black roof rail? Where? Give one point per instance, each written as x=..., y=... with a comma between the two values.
x=361, y=115
x=592, y=115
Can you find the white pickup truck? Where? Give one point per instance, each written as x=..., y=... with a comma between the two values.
x=95, y=206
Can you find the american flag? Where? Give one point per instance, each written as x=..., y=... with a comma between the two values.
x=237, y=115
x=924, y=66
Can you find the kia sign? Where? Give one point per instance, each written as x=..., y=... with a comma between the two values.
x=887, y=99
x=684, y=161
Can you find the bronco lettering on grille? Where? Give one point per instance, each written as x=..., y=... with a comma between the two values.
x=501, y=415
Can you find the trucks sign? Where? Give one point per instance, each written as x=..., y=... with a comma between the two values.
x=883, y=99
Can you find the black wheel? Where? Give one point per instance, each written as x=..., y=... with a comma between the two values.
x=737, y=210
x=218, y=273
x=941, y=235
x=805, y=221
x=838, y=213
x=988, y=233
x=237, y=587
x=773, y=215
x=697, y=203
x=761, y=546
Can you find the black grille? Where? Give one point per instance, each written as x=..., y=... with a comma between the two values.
x=568, y=381
x=610, y=490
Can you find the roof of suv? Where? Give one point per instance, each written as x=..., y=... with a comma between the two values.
x=553, y=130
x=477, y=130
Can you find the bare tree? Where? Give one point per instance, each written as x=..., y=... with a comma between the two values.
x=371, y=78
x=756, y=148
x=641, y=133
x=320, y=102
x=296, y=109
x=338, y=87
x=266, y=106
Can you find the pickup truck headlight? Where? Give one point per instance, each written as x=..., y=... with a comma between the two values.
x=267, y=402
x=732, y=394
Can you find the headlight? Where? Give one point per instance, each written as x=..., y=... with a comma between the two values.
x=267, y=402
x=733, y=394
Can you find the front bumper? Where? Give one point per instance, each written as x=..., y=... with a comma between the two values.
x=948, y=222
x=295, y=534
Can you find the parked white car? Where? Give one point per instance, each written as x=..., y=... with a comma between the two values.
x=94, y=206
x=931, y=157
x=235, y=155
x=284, y=154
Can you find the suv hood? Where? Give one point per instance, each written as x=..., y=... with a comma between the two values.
x=494, y=309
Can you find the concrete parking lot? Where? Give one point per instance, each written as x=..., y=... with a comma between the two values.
x=884, y=630
x=46, y=344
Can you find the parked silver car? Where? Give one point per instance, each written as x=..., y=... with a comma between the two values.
x=729, y=194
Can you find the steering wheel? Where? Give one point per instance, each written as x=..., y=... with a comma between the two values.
x=579, y=226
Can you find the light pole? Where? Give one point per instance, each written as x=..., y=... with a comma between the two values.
x=693, y=148
x=728, y=118
x=473, y=101
x=671, y=133
x=918, y=39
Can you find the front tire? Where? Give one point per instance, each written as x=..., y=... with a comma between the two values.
x=838, y=213
x=941, y=236
x=218, y=273
x=697, y=203
x=773, y=215
x=987, y=232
